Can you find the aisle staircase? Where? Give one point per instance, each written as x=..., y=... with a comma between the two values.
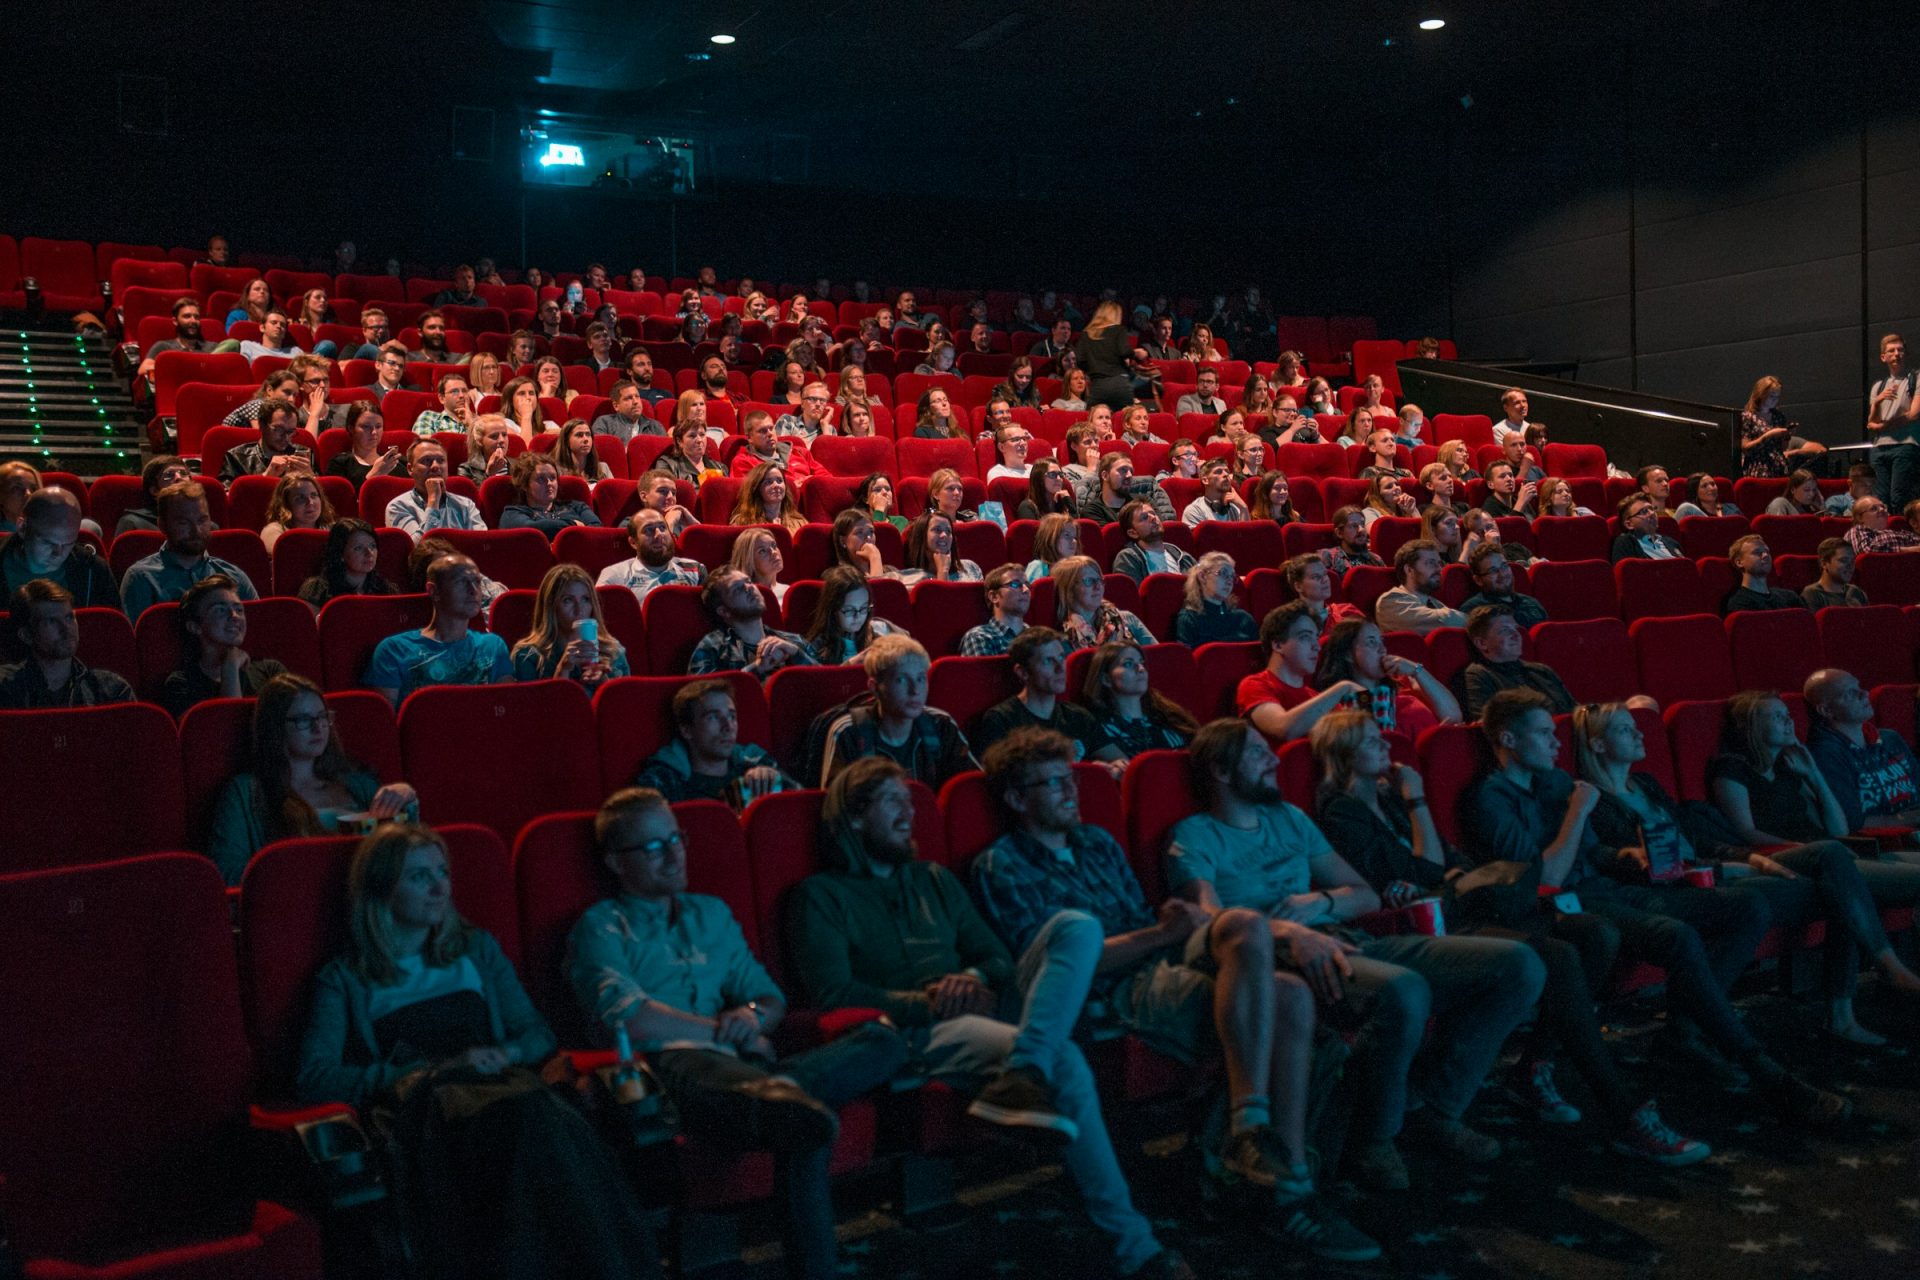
x=61, y=406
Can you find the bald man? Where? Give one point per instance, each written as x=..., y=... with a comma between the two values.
x=1872, y=770
x=48, y=546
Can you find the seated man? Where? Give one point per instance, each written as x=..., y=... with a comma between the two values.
x=1640, y=537
x=1656, y=487
x=1250, y=849
x=433, y=346
x=47, y=545
x=1506, y=496
x=1834, y=587
x=653, y=563
x=1351, y=546
x=740, y=639
x=375, y=333
x=1493, y=574
x=815, y=418
x=1147, y=551
x=429, y=504
x=1383, y=456
x=764, y=446
x=1156, y=977
x=460, y=293
x=1870, y=770
x=1008, y=595
x=51, y=676
x=183, y=559
x=1039, y=659
x=1220, y=500
x=186, y=335
x=273, y=339
x=274, y=453
x=389, y=371
x=1414, y=605
x=640, y=371
x=447, y=650
x=672, y=970
x=1528, y=810
x=706, y=759
x=922, y=740
x=1873, y=530
x=1496, y=638
x=1205, y=397
x=628, y=417
x=880, y=929
x=1105, y=495
x=1753, y=561
x=1514, y=449
x=456, y=411
x=1280, y=700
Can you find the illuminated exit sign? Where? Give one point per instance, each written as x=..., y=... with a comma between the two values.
x=559, y=153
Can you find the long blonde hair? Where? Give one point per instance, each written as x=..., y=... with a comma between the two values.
x=371, y=880
x=1591, y=723
x=1336, y=743
x=1105, y=316
x=544, y=634
x=1046, y=538
x=746, y=547
x=1064, y=573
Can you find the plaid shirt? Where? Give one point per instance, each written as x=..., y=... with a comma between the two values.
x=1863, y=539
x=722, y=649
x=988, y=640
x=1022, y=884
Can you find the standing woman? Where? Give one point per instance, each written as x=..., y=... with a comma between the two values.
x=423, y=1014
x=1764, y=431
x=556, y=646
x=298, y=502
x=1102, y=350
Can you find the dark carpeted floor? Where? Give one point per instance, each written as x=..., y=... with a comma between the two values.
x=1772, y=1201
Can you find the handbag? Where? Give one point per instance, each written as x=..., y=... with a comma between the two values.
x=1501, y=892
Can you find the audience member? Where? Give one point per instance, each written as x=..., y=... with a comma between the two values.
x=1211, y=611
x=1860, y=484
x=947, y=496
x=160, y=472
x=1219, y=500
x=1556, y=499
x=1146, y=552
x=1700, y=496
x=349, y=565
x=897, y=723
x=1414, y=603
x=52, y=675
x=763, y=449
x=1441, y=527
x=1513, y=403
x=568, y=638
x=1038, y=656
x=1892, y=408
x=741, y=640
x=1802, y=497
x=1835, y=586
x=298, y=502
x=1351, y=546
x=430, y=505
x=212, y=625
x=1506, y=496
x=455, y=414
x=686, y=458
x=1012, y=441
x=1205, y=397
x=1873, y=530
x=1401, y=693
x=928, y=554
x=489, y=448
x=47, y=545
x=1279, y=700
x=1310, y=580
x=274, y=453
x=1754, y=563
x=1870, y=769
x=1640, y=537
x=183, y=559
x=1497, y=639
x=843, y=621
x=706, y=759
x=363, y=457
x=1764, y=431
x=1082, y=611
x=1131, y=713
x=875, y=496
x=1008, y=596
x=447, y=650
x=536, y=483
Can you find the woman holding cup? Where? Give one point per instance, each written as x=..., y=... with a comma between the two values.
x=568, y=638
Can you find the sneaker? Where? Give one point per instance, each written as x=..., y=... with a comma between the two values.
x=1164, y=1265
x=1537, y=1092
x=1804, y=1104
x=1316, y=1226
x=1451, y=1137
x=779, y=1115
x=1020, y=1098
x=1378, y=1167
x=1649, y=1137
x=1246, y=1157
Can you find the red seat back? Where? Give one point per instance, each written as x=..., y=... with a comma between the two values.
x=1774, y=649
x=1571, y=537
x=795, y=695
x=278, y=627
x=461, y=743
x=1660, y=589
x=517, y=557
x=964, y=687
x=1682, y=658
x=116, y=769
x=1218, y=670
x=1451, y=757
x=1868, y=642
x=1694, y=732
x=635, y=719
x=1593, y=657
x=352, y=627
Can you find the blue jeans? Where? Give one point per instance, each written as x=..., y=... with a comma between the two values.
x=1896, y=473
x=1845, y=891
x=1036, y=1030
x=1475, y=989
x=1694, y=989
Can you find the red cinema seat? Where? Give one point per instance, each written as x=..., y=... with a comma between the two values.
x=1712, y=537
x=1157, y=792
x=1366, y=583
x=12, y=296
x=1253, y=544
x=106, y=642
x=118, y=767
x=795, y=695
x=1773, y=649
x=943, y=612
x=1682, y=659
x=466, y=752
x=856, y=456
x=1162, y=596
x=1868, y=642
x=296, y=557
x=1894, y=708
x=1218, y=670
x=974, y=818
x=1451, y=757
x=1389, y=533
x=1561, y=538
x=1694, y=731
x=1889, y=577
x=964, y=687
x=635, y=719
x=922, y=458
x=1661, y=589
x=174, y=369
x=278, y=627
x=1593, y=657
x=1576, y=461
x=1574, y=590
x=1301, y=537
x=593, y=549
x=517, y=557
x=66, y=272
x=1169, y=670
x=118, y=974
x=1475, y=428
x=352, y=627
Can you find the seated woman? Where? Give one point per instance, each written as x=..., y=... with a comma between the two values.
x=1049, y=492
x=756, y=553
x=875, y=497
x=213, y=625
x=1359, y=427
x=1082, y=612
x=1272, y=498
x=423, y=1014
x=1556, y=498
x=1133, y=715
x=161, y=472
x=483, y=376
x=1249, y=458
x=686, y=458
x=278, y=385
x=790, y=379
x=1700, y=496
x=1767, y=786
x=1443, y=489
x=573, y=453
x=929, y=553
x=1374, y=813
x=1211, y=611
x=536, y=485
x=1319, y=401
x=1457, y=458
x=856, y=421
x=1386, y=498
x=348, y=565
x=947, y=496
x=853, y=543
x=764, y=500
x=298, y=502
x=940, y=359
x=1019, y=385
x=301, y=783
x=1441, y=526
x=1073, y=392
x=567, y=638
x=843, y=621
x=520, y=406
x=550, y=377
x=853, y=390
x=363, y=455
x=1057, y=539
x=934, y=418
x=487, y=450
x=1403, y=696
x=1255, y=397
x=1200, y=348
x=1802, y=497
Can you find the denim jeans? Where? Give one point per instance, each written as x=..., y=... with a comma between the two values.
x=1896, y=473
x=1475, y=989
x=1035, y=1029
x=1730, y=921
x=1845, y=891
x=1694, y=989
x=835, y=1074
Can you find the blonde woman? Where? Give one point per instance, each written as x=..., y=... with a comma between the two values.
x=691, y=408
x=756, y=553
x=1458, y=460
x=1102, y=350
x=1083, y=612
x=1057, y=539
x=483, y=374
x=1210, y=611
x=487, y=449
x=568, y=637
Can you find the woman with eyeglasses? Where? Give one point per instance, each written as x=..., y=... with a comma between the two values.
x=843, y=621
x=213, y=625
x=1049, y=492
x=301, y=783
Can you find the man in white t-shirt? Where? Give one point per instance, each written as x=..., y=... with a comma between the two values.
x=1893, y=406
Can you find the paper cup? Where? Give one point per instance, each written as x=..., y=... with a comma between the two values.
x=1426, y=917
x=1699, y=877
x=587, y=629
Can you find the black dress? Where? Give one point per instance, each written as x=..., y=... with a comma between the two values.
x=1105, y=361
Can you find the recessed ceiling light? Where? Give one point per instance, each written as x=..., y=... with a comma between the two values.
x=1432, y=24
x=722, y=39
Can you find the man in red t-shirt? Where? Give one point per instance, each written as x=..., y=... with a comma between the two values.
x=1279, y=701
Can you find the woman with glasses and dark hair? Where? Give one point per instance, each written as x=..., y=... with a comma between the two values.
x=843, y=621
x=302, y=782
x=213, y=626
x=1134, y=716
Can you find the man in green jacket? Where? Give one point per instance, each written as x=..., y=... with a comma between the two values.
x=880, y=929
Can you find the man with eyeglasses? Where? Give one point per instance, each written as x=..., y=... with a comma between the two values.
x=389, y=371
x=447, y=650
x=52, y=675
x=1873, y=530
x=673, y=971
x=47, y=545
x=1640, y=537
x=1494, y=576
x=815, y=418
x=182, y=560
x=1011, y=439
x=315, y=381
x=922, y=740
x=1009, y=596
x=706, y=759
x=374, y=334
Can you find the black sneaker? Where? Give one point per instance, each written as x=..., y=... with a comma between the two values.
x=1804, y=1104
x=781, y=1116
x=1451, y=1137
x=1316, y=1226
x=1020, y=1097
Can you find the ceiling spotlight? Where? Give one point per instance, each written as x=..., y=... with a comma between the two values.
x=721, y=39
x=1432, y=24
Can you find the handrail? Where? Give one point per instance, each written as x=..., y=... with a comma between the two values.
x=1426, y=368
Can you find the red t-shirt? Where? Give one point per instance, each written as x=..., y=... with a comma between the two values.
x=1264, y=686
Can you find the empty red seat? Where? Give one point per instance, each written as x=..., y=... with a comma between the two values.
x=1661, y=589
x=1451, y=757
x=118, y=987
x=1475, y=428
x=1573, y=590
x=65, y=270
x=1869, y=642
x=174, y=369
x=1792, y=535
x=1694, y=731
x=1576, y=461
x=1773, y=649
x=114, y=773
x=943, y=612
x=855, y=455
x=964, y=687
x=1593, y=657
x=1366, y=583
x=1889, y=577
x=1157, y=791
x=1682, y=659
x=1712, y=537
x=469, y=753
x=352, y=627
x=795, y=695
x=675, y=622
x=1571, y=537
x=1218, y=670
